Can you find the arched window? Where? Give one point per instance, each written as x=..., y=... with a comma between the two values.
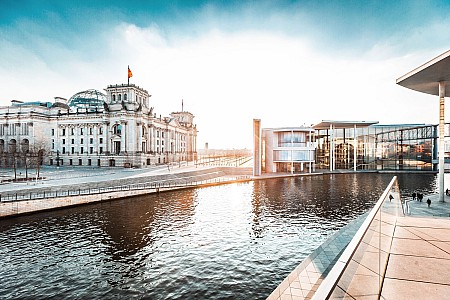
x=120, y=97
x=125, y=97
x=12, y=146
x=143, y=131
x=117, y=129
x=114, y=98
x=25, y=145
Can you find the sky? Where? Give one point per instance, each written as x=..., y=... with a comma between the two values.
x=288, y=63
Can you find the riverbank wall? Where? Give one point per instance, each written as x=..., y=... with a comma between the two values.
x=19, y=202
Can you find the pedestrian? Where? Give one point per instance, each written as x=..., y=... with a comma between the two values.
x=429, y=202
x=414, y=195
x=420, y=197
x=390, y=197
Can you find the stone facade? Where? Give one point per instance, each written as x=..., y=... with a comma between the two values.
x=93, y=129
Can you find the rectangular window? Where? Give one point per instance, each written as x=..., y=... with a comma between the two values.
x=64, y=131
x=73, y=141
x=81, y=141
x=100, y=130
x=162, y=134
x=91, y=140
x=91, y=130
x=73, y=150
x=91, y=150
x=53, y=131
x=81, y=150
x=64, y=141
x=101, y=140
x=89, y=162
x=157, y=133
x=64, y=150
x=72, y=131
x=157, y=142
x=70, y=162
x=80, y=162
x=81, y=131
x=101, y=150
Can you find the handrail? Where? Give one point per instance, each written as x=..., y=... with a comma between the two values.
x=328, y=285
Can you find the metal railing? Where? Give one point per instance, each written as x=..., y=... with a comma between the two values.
x=70, y=191
x=359, y=271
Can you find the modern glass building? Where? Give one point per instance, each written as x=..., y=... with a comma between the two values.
x=348, y=145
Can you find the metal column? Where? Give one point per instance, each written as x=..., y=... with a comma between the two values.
x=441, y=139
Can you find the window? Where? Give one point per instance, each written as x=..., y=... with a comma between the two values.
x=64, y=141
x=73, y=141
x=53, y=144
x=100, y=130
x=114, y=98
x=81, y=141
x=157, y=133
x=80, y=162
x=125, y=97
x=101, y=140
x=91, y=150
x=101, y=150
x=117, y=129
x=91, y=130
x=157, y=142
x=73, y=150
x=53, y=131
x=162, y=134
x=120, y=97
x=72, y=131
x=64, y=150
x=162, y=143
x=70, y=162
x=81, y=131
x=63, y=131
x=81, y=150
x=91, y=141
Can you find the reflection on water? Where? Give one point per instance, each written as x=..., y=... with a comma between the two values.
x=234, y=241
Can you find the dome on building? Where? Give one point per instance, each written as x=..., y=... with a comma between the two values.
x=90, y=99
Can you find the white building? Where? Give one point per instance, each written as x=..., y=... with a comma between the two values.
x=118, y=128
x=287, y=149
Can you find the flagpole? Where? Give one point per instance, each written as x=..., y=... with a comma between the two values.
x=128, y=74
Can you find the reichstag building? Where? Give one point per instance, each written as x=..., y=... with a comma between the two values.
x=118, y=128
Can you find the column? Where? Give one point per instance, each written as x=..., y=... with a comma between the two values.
x=441, y=140
x=331, y=148
x=256, y=147
x=355, y=144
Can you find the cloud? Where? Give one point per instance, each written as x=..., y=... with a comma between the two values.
x=230, y=65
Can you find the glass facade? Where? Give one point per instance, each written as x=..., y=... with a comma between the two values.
x=378, y=147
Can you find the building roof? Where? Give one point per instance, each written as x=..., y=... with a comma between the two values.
x=426, y=78
x=325, y=124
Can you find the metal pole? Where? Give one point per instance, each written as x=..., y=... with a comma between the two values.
x=441, y=139
x=355, y=144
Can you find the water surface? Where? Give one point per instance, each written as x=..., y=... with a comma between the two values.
x=235, y=241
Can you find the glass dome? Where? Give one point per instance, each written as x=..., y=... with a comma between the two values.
x=90, y=99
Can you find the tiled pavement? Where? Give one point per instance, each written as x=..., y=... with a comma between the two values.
x=419, y=262
x=418, y=266
x=306, y=277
